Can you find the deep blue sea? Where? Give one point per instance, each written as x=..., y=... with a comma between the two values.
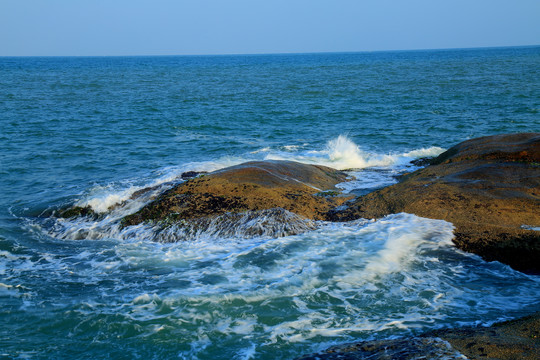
x=91, y=131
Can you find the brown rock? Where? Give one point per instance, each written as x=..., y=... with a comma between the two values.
x=489, y=188
x=517, y=339
x=251, y=186
x=511, y=340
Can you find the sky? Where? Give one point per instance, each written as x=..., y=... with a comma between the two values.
x=201, y=27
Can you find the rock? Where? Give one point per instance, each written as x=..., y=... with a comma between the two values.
x=403, y=349
x=252, y=186
x=76, y=211
x=489, y=188
x=192, y=174
x=517, y=339
x=421, y=162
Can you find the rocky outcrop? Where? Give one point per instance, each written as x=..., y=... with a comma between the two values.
x=517, y=339
x=489, y=188
x=253, y=186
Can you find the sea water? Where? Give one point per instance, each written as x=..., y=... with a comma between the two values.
x=93, y=131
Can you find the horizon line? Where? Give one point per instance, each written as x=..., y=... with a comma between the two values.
x=281, y=53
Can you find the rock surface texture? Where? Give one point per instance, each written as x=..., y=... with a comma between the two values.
x=253, y=186
x=517, y=339
x=488, y=187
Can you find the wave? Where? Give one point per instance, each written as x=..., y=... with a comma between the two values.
x=340, y=153
x=343, y=154
x=329, y=284
x=395, y=274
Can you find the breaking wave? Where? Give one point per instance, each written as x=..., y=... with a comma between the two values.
x=343, y=154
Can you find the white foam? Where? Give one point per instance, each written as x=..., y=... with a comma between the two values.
x=264, y=149
x=291, y=147
x=424, y=152
x=247, y=353
x=329, y=282
x=403, y=241
x=102, y=199
x=146, y=298
x=342, y=153
x=529, y=227
x=264, y=223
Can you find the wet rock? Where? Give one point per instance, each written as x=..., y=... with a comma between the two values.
x=421, y=162
x=487, y=187
x=403, y=349
x=517, y=339
x=143, y=191
x=76, y=211
x=192, y=174
x=251, y=186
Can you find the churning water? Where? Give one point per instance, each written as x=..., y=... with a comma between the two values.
x=93, y=131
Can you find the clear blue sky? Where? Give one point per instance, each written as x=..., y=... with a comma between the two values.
x=178, y=27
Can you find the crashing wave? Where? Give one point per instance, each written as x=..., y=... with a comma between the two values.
x=342, y=153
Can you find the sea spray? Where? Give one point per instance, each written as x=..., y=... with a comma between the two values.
x=343, y=154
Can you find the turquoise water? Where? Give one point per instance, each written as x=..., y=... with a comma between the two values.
x=91, y=131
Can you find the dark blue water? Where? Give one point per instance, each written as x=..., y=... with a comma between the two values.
x=92, y=131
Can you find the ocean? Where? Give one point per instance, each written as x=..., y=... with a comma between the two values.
x=91, y=131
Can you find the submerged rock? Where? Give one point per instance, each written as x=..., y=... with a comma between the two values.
x=517, y=339
x=76, y=211
x=403, y=349
x=489, y=188
x=269, y=223
x=252, y=186
x=192, y=174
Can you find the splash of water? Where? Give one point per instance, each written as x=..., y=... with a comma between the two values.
x=342, y=153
